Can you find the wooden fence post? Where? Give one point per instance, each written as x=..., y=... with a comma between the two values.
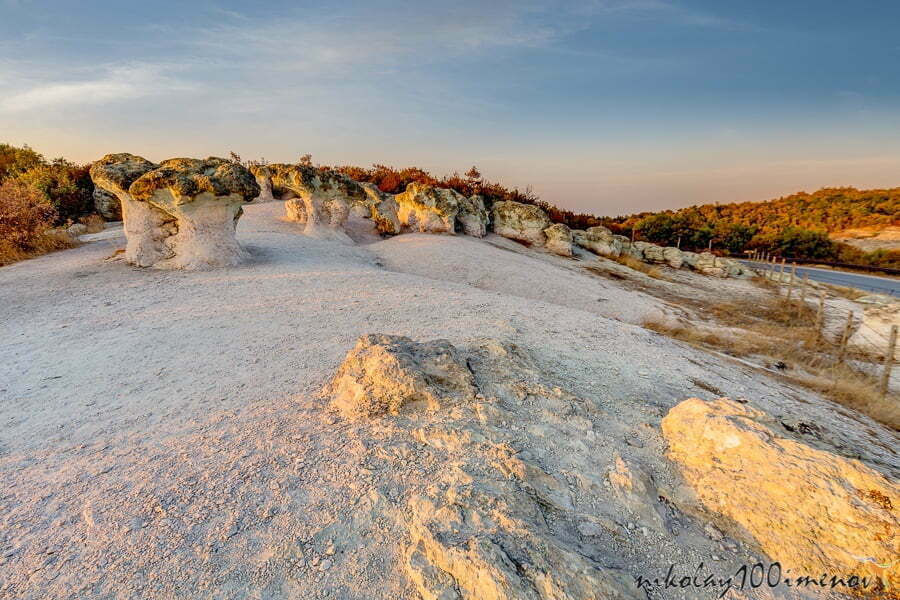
x=791, y=282
x=842, y=350
x=820, y=315
x=888, y=362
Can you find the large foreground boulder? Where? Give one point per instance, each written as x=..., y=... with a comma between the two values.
x=813, y=511
x=500, y=519
x=384, y=373
x=428, y=209
x=517, y=221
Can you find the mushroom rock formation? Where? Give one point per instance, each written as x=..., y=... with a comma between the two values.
x=146, y=227
x=559, y=239
x=472, y=216
x=428, y=209
x=598, y=240
x=517, y=221
x=204, y=196
x=264, y=181
x=107, y=204
x=813, y=510
x=323, y=198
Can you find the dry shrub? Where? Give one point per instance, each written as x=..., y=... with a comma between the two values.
x=94, y=223
x=786, y=332
x=25, y=220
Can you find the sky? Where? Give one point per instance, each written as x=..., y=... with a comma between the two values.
x=602, y=106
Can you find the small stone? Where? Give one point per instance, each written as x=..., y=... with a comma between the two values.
x=325, y=564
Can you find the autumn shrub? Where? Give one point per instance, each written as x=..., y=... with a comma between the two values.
x=26, y=217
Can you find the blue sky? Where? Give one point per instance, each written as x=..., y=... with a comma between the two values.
x=601, y=106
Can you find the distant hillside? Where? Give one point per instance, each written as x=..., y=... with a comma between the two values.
x=831, y=210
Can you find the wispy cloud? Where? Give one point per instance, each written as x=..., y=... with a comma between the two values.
x=94, y=86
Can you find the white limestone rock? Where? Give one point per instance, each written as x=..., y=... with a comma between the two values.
x=517, y=221
x=559, y=239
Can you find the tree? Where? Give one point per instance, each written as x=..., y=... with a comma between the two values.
x=305, y=160
x=15, y=161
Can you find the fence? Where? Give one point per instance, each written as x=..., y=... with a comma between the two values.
x=837, y=354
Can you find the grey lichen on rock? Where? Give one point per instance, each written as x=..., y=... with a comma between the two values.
x=116, y=172
x=107, y=204
x=559, y=239
x=473, y=217
x=598, y=240
x=523, y=222
x=186, y=179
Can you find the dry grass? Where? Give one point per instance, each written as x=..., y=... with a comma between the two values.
x=94, y=223
x=49, y=241
x=633, y=263
x=785, y=333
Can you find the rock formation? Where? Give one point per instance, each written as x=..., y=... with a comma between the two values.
x=107, y=204
x=204, y=198
x=322, y=198
x=598, y=240
x=384, y=373
x=472, y=216
x=264, y=181
x=146, y=226
x=499, y=519
x=428, y=209
x=517, y=221
x=382, y=210
x=559, y=239
x=811, y=510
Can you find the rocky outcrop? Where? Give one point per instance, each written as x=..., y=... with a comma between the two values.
x=428, y=209
x=673, y=257
x=517, y=221
x=875, y=330
x=107, y=204
x=147, y=227
x=204, y=199
x=385, y=373
x=264, y=181
x=598, y=240
x=499, y=519
x=809, y=509
x=710, y=264
x=559, y=239
x=472, y=217
x=383, y=210
x=321, y=198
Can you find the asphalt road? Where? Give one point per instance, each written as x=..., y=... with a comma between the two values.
x=869, y=283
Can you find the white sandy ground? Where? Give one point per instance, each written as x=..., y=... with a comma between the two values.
x=161, y=434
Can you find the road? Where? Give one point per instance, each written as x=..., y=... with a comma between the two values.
x=869, y=283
